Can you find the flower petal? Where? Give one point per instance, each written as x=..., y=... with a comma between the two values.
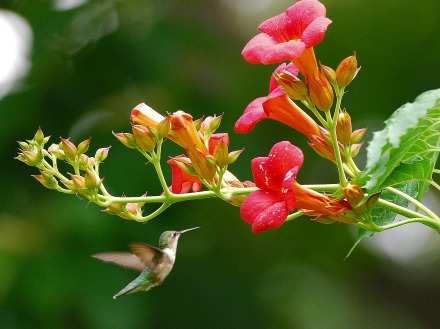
x=314, y=33
x=263, y=211
x=265, y=177
x=285, y=159
x=303, y=13
x=254, y=113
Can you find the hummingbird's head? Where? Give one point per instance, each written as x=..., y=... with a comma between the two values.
x=168, y=239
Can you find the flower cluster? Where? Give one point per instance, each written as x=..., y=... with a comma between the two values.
x=288, y=39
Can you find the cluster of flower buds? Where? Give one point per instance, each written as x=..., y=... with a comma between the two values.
x=207, y=152
x=346, y=136
x=85, y=180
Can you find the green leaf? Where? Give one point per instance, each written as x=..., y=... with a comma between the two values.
x=382, y=216
x=405, y=149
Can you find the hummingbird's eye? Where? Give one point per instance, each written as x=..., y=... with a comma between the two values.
x=174, y=234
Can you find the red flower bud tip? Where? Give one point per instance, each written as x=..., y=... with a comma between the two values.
x=126, y=139
x=343, y=128
x=143, y=138
x=357, y=135
x=102, y=153
x=354, y=195
x=70, y=150
x=216, y=139
x=329, y=73
x=320, y=91
x=346, y=71
x=84, y=146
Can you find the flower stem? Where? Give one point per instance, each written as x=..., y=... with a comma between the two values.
x=332, y=131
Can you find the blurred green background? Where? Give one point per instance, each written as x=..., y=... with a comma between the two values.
x=90, y=62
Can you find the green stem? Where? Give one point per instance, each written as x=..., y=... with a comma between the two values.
x=423, y=220
x=418, y=204
x=399, y=209
x=332, y=131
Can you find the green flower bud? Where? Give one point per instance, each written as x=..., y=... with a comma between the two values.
x=84, y=146
x=102, y=153
x=39, y=137
x=126, y=139
x=70, y=150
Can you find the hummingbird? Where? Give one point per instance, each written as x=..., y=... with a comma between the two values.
x=154, y=263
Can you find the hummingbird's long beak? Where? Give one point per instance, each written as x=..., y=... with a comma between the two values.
x=190, y=229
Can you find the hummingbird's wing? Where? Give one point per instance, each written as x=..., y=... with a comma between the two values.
x=149, y=255
x=124, y=259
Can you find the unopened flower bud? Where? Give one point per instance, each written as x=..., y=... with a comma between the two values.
x=233, y=156
x=46, y=179
x=210, y=160
x=84, y=162
x=294, y=87
x=126, y=139
x=346, y=71
x=354, y=195
x=69, y=149
x=84, y=146
x=183, y=126
x=372, y=200
x=39, y=137
x=29, y=157
x=56, y=150
x=102, y=153
x=357, y=135
x=185, y=165
x=355, y=148
x=91, y=181
x=343, y=128
x=211, y=124
x=221, y=154
x=329, y=73
x=24, y=146
x=143, y=138
x=78, y=182
x=320, y=91
x=164, y=127
x=114, y=208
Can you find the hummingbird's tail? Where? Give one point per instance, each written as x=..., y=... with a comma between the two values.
x=130, y=288
x=144, y=282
